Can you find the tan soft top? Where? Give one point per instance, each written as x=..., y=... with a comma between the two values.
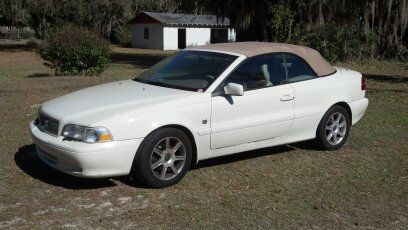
x=250, y=49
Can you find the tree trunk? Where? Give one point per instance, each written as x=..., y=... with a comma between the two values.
x=290, y=33
x=263, y=15
x=372, y=14
x=404, y=18
x=321, y=18
x=310, y=18
x=366, y=18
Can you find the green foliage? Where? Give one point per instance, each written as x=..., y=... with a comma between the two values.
x=41, y=13
x=27, y=34
x=123, y=36
x=5, y=14
x=339, y=29
x=281, y=22
x=349, y=42
x=33, y=42
x=324, y=39
x=73, y=51
x=13, y=13
x=401, y=52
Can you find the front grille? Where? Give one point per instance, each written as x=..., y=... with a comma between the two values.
x=48, y=124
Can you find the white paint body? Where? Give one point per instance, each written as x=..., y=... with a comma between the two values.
x=131, y=110
x=166, y=38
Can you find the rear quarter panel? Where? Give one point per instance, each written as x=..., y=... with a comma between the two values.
x=314, y=97
x=317, y=95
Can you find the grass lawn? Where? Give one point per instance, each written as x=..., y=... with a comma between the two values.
x=363, y=185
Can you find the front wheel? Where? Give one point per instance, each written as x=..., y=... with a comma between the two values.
x=334, y=128
x=163, y=158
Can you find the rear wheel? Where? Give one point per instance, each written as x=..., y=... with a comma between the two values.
x=334, y=128
x=163, y=158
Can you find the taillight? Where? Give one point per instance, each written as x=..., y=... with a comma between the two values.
x=363, y=82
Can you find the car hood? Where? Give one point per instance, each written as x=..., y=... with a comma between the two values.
x=92, y=104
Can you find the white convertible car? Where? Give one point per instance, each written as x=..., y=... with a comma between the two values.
x=200, y=103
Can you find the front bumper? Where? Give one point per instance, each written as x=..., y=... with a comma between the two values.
x=83, y=159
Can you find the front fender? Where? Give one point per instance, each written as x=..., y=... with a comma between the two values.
x=139, y=123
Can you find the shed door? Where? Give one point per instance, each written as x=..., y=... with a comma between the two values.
x=181, y=38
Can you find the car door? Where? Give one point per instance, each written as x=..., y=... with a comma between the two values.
x=310, y=90
x=265, y=111
x=312, y=95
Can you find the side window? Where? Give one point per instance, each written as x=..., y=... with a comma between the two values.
x=298, y=70
x=146, y=34
x=260, y=72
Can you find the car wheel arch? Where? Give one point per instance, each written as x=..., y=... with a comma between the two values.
x=189, y=134
x=342, y=104
x=346, y=106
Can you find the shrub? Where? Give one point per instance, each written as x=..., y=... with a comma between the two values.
x=73, y=51
x=281, y=21
x=33, y=42
x=350, y=42
x=324, y=39
x=123, y=36
x=401, y=52
x=27, y=34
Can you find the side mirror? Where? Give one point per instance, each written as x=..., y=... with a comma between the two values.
x=234, y=89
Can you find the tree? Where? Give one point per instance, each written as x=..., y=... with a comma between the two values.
x=42, y=16
x=5, y=14
x=244, y=14
x=384, y=22
x=13, y=12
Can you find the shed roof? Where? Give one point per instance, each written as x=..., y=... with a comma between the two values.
x=250, y=49
x=182, y=19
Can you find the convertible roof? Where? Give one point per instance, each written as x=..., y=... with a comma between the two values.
x=250, y=49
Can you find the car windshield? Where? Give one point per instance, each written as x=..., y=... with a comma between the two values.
x=188, y=70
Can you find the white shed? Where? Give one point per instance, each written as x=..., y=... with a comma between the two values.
x=166, y=31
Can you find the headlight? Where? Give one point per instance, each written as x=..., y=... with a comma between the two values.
x=86, y=134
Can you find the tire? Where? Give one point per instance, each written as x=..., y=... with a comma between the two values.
x=334, y=128
x=163, y=158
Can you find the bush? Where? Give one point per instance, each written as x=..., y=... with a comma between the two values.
x=324, y=39
x=27, y=34
x=123, y=36
x=73, y=51
x=281, y=21
x=401, y=52
x=350, y=42
x=33, y=42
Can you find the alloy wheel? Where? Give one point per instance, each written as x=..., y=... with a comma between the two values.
x=336, y=128
x=168, y=158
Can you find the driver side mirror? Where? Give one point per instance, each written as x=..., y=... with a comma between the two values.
x=234, y=89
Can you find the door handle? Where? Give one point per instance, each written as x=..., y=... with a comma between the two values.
x=287, y=97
